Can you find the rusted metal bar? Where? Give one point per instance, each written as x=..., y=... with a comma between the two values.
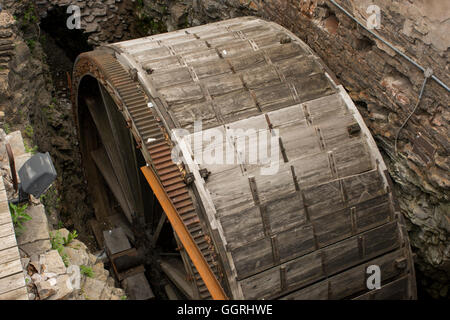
x=12, y=165
x=191, y=248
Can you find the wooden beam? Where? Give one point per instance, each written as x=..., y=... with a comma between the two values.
x=170, y=292
x=158, y=229
x=103, y=163
x=178, y=278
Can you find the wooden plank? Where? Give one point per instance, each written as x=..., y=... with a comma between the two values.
x=104, y=165
x=253, y=257
x=251, y=31
x=5, y=215
x=178, y=277
x=304, y=270
x=189, y=46
x=234, y=48
x=326, y=108
x=222, y=84
x=267, y=38
x=381, y=239
x=262, y=284
x=363, y=187
x=159, y=227
x=10, y=268
x=299, y=141
x=285, y=213
x=333, y=227
x=335, y=129
x=6, y=229
x=219, y=39
x=288, y=116
x=98, y=114
x=126, y=147
x=323, y=199
x=298, y=67
x=295, y=242
x=352, y=158
x=186, y=114
x=170, y=292
x=172, y=77
x=373, y=212
x=16, y=294
x=312, y=169
x=182, y=93
x=9, y=254
x=317, y=291
x=97, y=230
x=354, y=280
x=158, y=52
x=236, y=105
x=244, y=227
x=8, y=242
x=11, y=283
x=284, y=51
x=307, y=265
x=273, y=187
x=160, y=63
x=250, y=61
x=395, y=290
x=273, y=97
x=201, y=56
x=261, y=76
x=229, y=195
x=214, y=68
x=313, y=87
x=350, y=282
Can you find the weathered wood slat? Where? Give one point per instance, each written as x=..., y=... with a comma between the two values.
x=10, y=268
x=16, y=294
x=11, y=283
x=5, y=215
x=7, y=242
x=395, y=290
x=324, y=262
x=6, y=229
x=9, y=254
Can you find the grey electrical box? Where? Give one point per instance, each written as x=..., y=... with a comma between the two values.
x=37, y=174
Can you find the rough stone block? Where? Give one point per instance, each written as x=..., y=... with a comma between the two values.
x=16, y=142
x=36, y=228
x=51, y=262
x=77, y=257
x=93, y=288
x=37, y=247
x=63, y=288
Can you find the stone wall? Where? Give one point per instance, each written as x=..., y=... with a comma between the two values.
x=102, y=20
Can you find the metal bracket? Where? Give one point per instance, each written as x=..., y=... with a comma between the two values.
x=189, y=178
x=204, y=173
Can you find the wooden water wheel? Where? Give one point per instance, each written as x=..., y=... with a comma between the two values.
x=308, y=230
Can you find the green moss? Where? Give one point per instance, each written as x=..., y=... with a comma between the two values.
x=29, y=131
x=148, y=25
x=87, y=271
